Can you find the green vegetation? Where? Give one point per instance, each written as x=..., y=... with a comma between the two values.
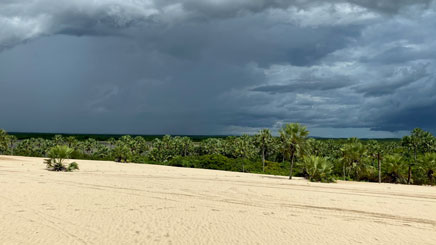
x=293, y=137
x=103, y=137
x=3, y=142
x=411, y=160
x=57, y=157
x=318, y=168
x=263, y=141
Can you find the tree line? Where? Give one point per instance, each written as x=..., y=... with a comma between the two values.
x=411, y=160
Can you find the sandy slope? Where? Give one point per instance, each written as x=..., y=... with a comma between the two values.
x=112, y=203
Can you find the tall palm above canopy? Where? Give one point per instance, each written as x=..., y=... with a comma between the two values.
x=263, y=140
x=294, y=137
x=376, y=152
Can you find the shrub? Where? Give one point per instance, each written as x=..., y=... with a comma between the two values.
x=396, y=169
x=73, y=166
x=426, y=170
x=276, y=168
x=122, y=153
x=187, y=162
x=217, y=162
x=57, y=157
x=318, y=169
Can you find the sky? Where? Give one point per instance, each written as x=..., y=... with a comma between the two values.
x=363, y=68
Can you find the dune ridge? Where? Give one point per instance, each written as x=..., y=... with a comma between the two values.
x=113, y=203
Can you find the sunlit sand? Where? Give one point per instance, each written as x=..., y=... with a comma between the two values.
x=113, y=203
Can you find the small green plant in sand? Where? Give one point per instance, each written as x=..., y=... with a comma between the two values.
x=58, y=156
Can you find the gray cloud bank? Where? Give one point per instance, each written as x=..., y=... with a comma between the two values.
x=210, y=67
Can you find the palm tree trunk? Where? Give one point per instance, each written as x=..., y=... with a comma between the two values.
x=409, y=175
x=343, y=169
x=292, y=165
x=379, y=168
x=263, y=160
x=430, y=176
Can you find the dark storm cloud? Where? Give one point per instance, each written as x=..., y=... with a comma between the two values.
x=227, y=66
x=305, y=85
x=422, y=115
x=390, y=6
x=23, y=20
x=226, y=8
x=397, y=78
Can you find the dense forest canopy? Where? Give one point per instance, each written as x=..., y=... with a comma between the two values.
x=411, y=160
x=105, y=137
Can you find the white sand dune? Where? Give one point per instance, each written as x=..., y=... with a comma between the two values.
x=113, y=203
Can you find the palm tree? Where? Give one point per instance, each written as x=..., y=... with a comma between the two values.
x=396, y=168
x=11, y=140
x=57, y=157
x=353, y=156
x=283, y=146
x=58, y=140
x=419, y=141
x=3, y=141
x=129, y=142
x=36, y=147
x=71, y=141
x=186, y=146
x=140, y=144
x=376, y=152
x=212, y=146
x=111, y=141
x=318, y=168
x=316, y=147
x=121, y=153
x=294, y=137
x=90, y=146
x=163, y=149
x=263, y=140
x=243, y=148
x=427, y=165
x=156, y=153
